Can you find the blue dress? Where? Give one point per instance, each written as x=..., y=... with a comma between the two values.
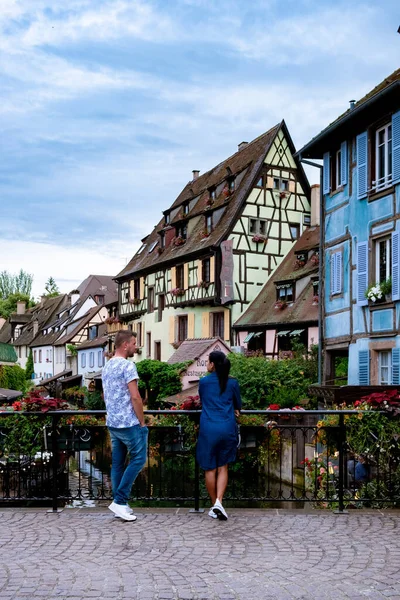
x=217, y=442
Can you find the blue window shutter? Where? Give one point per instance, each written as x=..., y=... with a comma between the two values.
x=395, y=265
x=396, y=366
x=336, y=273
x=333, y=274
x=343, y=163
x=363, y=367
x=396, y=146
x=362, y=168
x=362, y=273
x=326, y=174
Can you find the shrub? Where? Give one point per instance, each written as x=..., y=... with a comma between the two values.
x=159, y=380
x=12, y=377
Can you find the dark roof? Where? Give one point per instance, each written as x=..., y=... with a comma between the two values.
x=20, y=319
x=383, y=97
x=262, y=310
x=66, y=373
x=191, y=350
x=244, y=165
x=77, y=379
x=95, y=343
x=9, y=394
x=99, y=285
x=44, y=313
x=81, y=322
x=7, y=353
x=5, y=332
x=180, y=397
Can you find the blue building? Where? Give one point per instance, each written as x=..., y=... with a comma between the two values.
x=360, y=222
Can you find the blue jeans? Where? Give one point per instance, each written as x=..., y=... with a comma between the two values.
x=132, y=441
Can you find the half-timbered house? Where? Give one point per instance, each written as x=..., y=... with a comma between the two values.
x=214, y=248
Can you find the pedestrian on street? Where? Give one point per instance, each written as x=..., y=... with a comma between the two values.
x=125, y=421
x=218, y=435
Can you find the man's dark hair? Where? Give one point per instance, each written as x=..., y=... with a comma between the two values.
x=123, y=336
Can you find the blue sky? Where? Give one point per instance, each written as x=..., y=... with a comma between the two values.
x=108, y=105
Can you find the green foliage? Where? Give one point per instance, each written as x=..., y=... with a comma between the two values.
x=95, y=401
x=29, y=370
x=9, y=305
x=72, y=349
x=51, y=288
x=285, y=382
x=10, y=284
x=159, y=380
x=22, y=435
x=12, y=378
x=75, y=395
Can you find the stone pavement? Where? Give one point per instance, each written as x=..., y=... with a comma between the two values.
x=170, y=554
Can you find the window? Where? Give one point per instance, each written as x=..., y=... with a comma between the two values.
x=258, y=226
x=34, y=356
x=385, y=367
x=99, y=299
x=336, y=273
x=180, y=279
x=152, y=246
x=315, y=288
x=19, y=352
x=213, y=193
x=93, y=332
x=383, y=157
x=182, y=328
x=337, y=169
x=231, y=184
x=161, y=306
x=260, y=182
x=185, y=208
x=218, y=324
x=150, y=300
x=167, y=218
x=136, y=288
x=205, y=270
x=285, y=292
x=307, y=219
x=83, y=360
x=100, y=358
x=209, y=226
x=276, y=183
x=142, y=247
x=157, y=350
x=181, y=231
x=148, y=344
x=91, y=359
x=40, y=356
x=162, y=239
x=284, y=185
x=294, y=230
x=383, y=251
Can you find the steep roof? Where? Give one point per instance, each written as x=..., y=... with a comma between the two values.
x=262, y=310
x=44, y=314
x=99, y=285
x=97, y=342
x=192, y=349
x=80, y=323
x=244, y=166
x=5, y=332
x=386, y=93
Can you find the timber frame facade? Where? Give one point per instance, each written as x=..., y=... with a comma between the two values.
x=216, y=246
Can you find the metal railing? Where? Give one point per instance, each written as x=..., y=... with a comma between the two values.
x=44, y=460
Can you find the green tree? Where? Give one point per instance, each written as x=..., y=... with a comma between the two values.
x=12, y=377
x=29, y=371
x=9, y=305
x=159, y=380
x=51, y=288
x=12, y=284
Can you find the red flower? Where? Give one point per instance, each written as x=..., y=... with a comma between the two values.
x=273, y=407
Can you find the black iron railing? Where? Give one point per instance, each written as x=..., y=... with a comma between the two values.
x=291, y=457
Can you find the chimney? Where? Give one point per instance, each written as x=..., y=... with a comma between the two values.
x=195, y=175
x=21, y=307
x=315, y=205
x=74, y=295
x=242, y=145
x=35, y=328
x=352, y=104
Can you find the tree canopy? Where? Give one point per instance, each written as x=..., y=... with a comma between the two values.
x=51, y=288
x=9, y=305
x=12, y=284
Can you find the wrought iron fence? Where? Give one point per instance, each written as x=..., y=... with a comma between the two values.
x=295, y=456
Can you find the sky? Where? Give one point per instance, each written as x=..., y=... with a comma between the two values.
x=106, y=107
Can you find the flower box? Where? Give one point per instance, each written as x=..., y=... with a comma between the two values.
x=379, y=292
x=134, y=301
x=259, y=238
x=179, y=241
x=280, y=305
x=178, y=292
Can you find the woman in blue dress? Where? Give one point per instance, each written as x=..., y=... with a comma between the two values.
x=218, y=438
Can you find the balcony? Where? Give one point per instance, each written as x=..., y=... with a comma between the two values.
x=114, y=327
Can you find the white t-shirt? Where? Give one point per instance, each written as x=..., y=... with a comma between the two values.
x=116, y=375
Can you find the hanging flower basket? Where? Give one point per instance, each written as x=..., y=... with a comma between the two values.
x=178, y=292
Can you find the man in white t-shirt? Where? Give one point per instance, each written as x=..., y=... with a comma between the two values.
x=125, y=421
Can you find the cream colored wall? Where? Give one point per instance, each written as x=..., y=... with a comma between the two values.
x=312, y=336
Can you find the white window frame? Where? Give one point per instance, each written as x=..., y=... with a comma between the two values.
x=378, y=243
x=91, y=360
x=338, y=169
x=100, y=358
x=385, y=356
x=386, y=179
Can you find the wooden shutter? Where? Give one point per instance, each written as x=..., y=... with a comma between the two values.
x=395, y=265
x=362, y=273
x=270, y=182
x=185, y=276
x=292, y=186
x=132, y=288
x=362, y=168
x=326, y=174
x=191, y=320
x=171, y=335
x=205, y=325
x=343, y=163
x=141, y=288
x=336, y=273
x=199, y=271
x=212, y=269
x=227, y=323
x=396, y=146
x=363, y=367
x=173, y=278
x=396, y=366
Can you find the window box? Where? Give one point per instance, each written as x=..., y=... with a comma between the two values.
x=178, y=292
x=299, y=264
x=259, y=239
x=280, y=304
x=134, y=301
x=179, y=241
x=380, y=292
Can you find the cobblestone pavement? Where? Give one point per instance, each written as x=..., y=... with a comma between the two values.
x=171, y=554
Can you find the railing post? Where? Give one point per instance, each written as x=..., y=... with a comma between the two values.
x=54, y=437
x=341, y=447
x=196, y=508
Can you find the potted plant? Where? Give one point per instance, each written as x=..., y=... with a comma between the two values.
x=379, y=291
x=226, y=192
x=315, y=259
x=178, y=292
x=179, y=241
x=257, y=238
x=135, y=301
x=205, y=234
x=315, y=299
x=282, y=195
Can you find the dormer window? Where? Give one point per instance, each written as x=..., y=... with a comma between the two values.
x=167, y=218
x=213, y=193
x=209, y=224
x=185, y=208
x=181, y=231
x=231, y=184
x=162, y=240
x=301, y=257
x=142, y=247
x=285, y=292
x=153, y=245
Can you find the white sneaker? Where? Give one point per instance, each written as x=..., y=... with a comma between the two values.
x=219, y=510
x=212, y=514
x=128, y=508
x=121, y=511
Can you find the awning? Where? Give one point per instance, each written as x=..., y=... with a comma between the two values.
x=282, y=333
x=248, y=337
x=297, y=332
x=44, y=382
x=74, y=378
x=9, y=394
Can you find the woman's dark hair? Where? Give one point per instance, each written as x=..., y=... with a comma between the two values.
x=222, y=367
